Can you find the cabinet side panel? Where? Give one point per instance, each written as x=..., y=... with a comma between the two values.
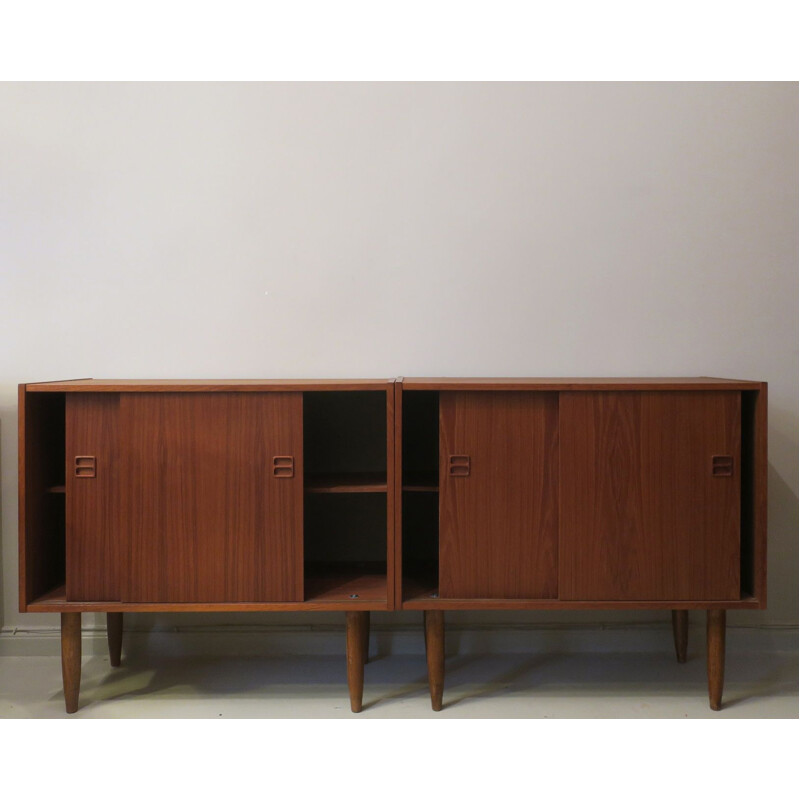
x=93, y=524
x=499, y=524
x=208, y=520
x=643, y=514
x=758, y=488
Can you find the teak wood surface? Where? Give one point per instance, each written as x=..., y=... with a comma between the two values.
x=208, y=519
x=198, y=385
x=93, y=524
x=39, y=430
x=498, y=534
x=576, y=384
x=643, y=517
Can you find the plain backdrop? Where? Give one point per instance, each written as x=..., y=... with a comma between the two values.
x=383, y=229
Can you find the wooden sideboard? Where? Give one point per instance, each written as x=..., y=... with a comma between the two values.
x=360, y=495
x=206, y=496
x=581, y=493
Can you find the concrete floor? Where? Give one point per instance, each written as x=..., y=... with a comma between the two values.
x=576, y=685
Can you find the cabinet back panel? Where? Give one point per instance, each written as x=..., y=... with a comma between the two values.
x=93, y=520
x=206, y=518
x=345, y=528
x=498, y=529
x=344, y=432
x=642, y=515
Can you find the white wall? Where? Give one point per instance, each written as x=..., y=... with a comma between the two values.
x=358, y=230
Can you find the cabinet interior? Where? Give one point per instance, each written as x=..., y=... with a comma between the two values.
x=345, y=507
x=45, y=511
x=748, y=537
x=420, y=510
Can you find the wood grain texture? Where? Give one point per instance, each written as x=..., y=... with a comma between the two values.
x=346, y=582
x=715, y=656
x=355, y=623
x=418, y=601
x=207, y=520
x=576, y=384
x=71, y=659
x=331, y=593
x=346, y=483
x=680, y=634
x=93, y=528
x=434, y=654
x=365, y=633
x=41, y=513
x=114, y=633
x=200, y=385
x=642, y=517
x=498, y=529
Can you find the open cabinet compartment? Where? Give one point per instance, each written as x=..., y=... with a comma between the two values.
x=420, y=497
x=42, y=497
x=345, y=513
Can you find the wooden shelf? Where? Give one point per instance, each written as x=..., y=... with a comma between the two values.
x=56, y=490
x=421, y=585
x=421, y=593
x=346, y=482
x=421, y=482
x=331, y=591
x=345, y=583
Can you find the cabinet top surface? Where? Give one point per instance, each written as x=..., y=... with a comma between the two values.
x=579, y=384
x=383, y=384
x=200, y=385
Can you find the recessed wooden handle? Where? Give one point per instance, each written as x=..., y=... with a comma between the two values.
x=722, y=466
x=458, y=467
x=283, y=466
x=85, y=467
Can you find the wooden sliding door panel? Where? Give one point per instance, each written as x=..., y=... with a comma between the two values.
x=93, y=533
x=498, y=494
x=650, y=495
x=213, y=496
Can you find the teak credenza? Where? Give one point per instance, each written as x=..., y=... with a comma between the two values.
x=372, y=495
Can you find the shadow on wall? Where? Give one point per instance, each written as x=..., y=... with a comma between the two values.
x=782, y=543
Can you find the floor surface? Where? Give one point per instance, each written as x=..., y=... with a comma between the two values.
x=582, y=685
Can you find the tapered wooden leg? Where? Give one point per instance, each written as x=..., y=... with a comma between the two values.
x=71, y=659
x=680, y=632
x=365, y=644
x=114, y=630
x=434, y=650
x=715, y=628
x=357, y=621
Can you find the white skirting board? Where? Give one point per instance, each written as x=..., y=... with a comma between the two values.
x=329, y=639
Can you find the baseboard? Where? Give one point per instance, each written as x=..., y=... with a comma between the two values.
x=281, y=640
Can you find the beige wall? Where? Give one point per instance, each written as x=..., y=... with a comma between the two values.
x=348, y=230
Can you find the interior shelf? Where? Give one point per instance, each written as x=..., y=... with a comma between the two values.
x=56, y=490
x=58, y=594
x=335, y=483
x=357, y=583
x=420, y=581
x=353, y=582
